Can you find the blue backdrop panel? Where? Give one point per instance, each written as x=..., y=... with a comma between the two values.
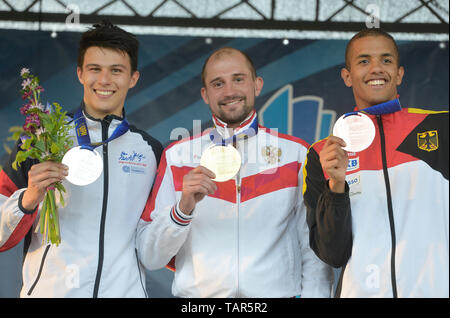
x=303, y=93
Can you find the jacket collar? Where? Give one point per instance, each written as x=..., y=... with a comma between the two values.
x=108, y=118
x=243, y=130
x=388, y=107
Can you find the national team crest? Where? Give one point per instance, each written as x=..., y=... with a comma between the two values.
x=428, y=140
x=271, y=154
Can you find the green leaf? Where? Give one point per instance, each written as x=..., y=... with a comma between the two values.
x=54, y=148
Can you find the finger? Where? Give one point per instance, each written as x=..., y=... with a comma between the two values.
x=335, y=140
x=205, y=171
x=203, y=180
x=197, y=189
x=48, y=182
x=37, y=177
x=333, y=150
x=49, y=167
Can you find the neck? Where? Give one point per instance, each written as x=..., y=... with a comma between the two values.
x=100, y=114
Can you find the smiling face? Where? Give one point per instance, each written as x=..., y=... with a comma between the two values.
x=106, y=76
x=230, y=88
x=373, y=73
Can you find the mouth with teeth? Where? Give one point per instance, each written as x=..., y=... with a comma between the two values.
x=376, y=82
x=103, y=93
x=231, y=102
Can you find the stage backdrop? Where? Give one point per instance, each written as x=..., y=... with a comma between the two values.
x=302, y=95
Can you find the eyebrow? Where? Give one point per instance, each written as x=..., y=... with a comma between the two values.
x=114, y=65
x=368, y=55
x=234, y=75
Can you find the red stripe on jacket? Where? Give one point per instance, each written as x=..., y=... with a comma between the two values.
x=150, y=204
x=225, y=190
x=270, y=180
x=397, y=126
x=7, y=188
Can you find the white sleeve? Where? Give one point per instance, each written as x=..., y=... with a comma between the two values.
x=162, y=229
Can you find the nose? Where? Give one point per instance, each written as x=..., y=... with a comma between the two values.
x=376, y=67
x=104, y=77
x=228, y=89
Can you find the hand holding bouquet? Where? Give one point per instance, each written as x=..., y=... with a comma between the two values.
x=46, y=137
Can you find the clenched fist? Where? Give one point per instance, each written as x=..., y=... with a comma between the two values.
x=334, y=161
x=196, y=184
x=41, y=176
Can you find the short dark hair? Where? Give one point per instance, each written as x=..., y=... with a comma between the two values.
x=228, y=50
x=369, y=32
x=107, y=35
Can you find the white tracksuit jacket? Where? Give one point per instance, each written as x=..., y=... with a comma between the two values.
x=248, y=239
x=389, y=230
x=97, y=255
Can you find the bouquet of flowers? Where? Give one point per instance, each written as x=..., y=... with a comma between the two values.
x=46, y=137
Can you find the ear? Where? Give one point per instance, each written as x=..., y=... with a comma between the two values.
x=400, y=73
x=134, y=79
x=259, y=83
x=204, y=95
x=79, y=73
x=345, y=74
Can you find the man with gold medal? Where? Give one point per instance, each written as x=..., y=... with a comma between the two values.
x=226, y=209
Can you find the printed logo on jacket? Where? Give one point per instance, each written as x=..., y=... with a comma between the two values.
x=132, y=162
x=428, y=140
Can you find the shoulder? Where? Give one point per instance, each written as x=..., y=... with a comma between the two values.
x=317, y=146
x=152, y=142
x=285, y=137
x=412, y=110
x=186, y=142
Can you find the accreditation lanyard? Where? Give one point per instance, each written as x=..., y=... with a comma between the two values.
x=82, y=131
x=217, y=139
x=388, y=107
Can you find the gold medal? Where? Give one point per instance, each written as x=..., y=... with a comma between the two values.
x=224, y=161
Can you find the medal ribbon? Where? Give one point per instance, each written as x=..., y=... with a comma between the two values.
x=391, y=106
x=83, y=133
x=217, y=139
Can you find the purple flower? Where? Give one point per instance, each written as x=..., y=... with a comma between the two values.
x=25, y=108
x=25, y=83
x=23, y=138
x=23, y=71
x=26, y=94
x=31, y=123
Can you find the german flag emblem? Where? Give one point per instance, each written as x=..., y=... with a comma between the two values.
x=428, y=140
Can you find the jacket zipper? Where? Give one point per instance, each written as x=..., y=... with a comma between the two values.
x=105, y=126
x=40, y=270
x=238, y=199
x=389, y=203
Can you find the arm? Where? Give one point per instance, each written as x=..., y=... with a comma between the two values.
x=317, y=277
x=21, y=192
x=165, y=223
x=328, y=212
